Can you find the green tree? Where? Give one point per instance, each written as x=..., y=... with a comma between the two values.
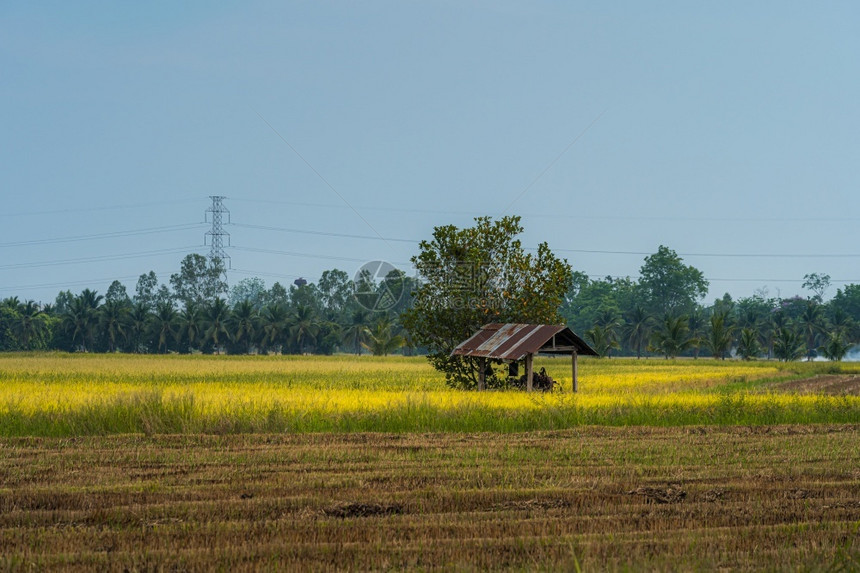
x=696, y=327
x=788, y=344
x=719, y=339
x=841, y=322
x=355, y=334
x=217, y=324
x=602, y=340
x=190, y=326
x=818, y=284
x=275, y=325
x=81, y=318
x=63, y=302
x=336, y=293
x=117, y=292
x=244, y=324
x=381, y=339
x=610, y=323
x=836, y=346
x=279, y=295
x=138, y=322
x=670, y=287
x=304, y=328
x=9, y=315
x=586, y=299
x=163, y=325
x=199, y=279
x=253, y=290
x=476, y=275
x=748, y=344
x=145, y=290
x=637, y=328
x=31, y=328
x=673, y=336
x=811, y=323
x=113, y=321
x=847, y=299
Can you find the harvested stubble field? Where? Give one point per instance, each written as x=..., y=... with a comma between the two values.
x=707, y=498
x=197, y=463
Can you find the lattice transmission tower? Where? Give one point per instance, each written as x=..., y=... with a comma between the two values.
x=215, y=236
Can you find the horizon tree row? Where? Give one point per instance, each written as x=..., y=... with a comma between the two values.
x=660, y=314
x=336, y=314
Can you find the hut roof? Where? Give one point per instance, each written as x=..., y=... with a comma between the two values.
x=515, y=341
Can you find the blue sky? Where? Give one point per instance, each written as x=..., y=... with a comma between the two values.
x=718, y=130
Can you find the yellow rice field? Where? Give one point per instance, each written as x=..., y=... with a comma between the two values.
x=49, y=392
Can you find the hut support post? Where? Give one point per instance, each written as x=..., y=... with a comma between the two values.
x=573, y=365
x=529, y=372
x=482, y=374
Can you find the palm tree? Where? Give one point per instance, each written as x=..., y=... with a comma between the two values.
x=357, y=330
x=305, y=327
x=138, y=321
x=696, y=326
x=836, y=347
x=637, y=329
x=788, y=345
x=91, y=298
x=163, y=325
x=748, y=344
x=190, y=325
x=30, y=326
x=842, y=322
x=778, y=321
x=719, y=339
x=381, y=341
x=672, y=338
x=244, y=324
x=217, y=323
x=811, y=322
x=275, y=320
x=113, y=320
x=610, y=323
x=601, y=340
x=80, y=318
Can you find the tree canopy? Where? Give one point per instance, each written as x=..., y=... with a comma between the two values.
x=476, y=275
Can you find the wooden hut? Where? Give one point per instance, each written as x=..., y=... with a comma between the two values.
x=515, y=342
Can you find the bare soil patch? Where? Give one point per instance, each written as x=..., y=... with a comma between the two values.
x=830, y=384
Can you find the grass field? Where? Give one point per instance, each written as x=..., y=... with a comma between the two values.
x=142, y=463
x=73, y=395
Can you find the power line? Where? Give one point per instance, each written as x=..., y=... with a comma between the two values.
x=99, y=258
x=309, y=255
x=578, y=216
x=97, y=236
x=318, y=174
x=74, y=283
x=269, y=274
x=99, y=208
x=582, y=251
x=323, y=233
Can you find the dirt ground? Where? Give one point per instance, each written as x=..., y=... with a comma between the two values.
x=831, y=384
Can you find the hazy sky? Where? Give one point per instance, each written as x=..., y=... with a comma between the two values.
x=721, y=130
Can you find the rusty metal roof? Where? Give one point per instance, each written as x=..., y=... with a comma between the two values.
x=515, y=341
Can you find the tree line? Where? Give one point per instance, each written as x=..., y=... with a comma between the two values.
x=660, y=314
x=198, y=313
